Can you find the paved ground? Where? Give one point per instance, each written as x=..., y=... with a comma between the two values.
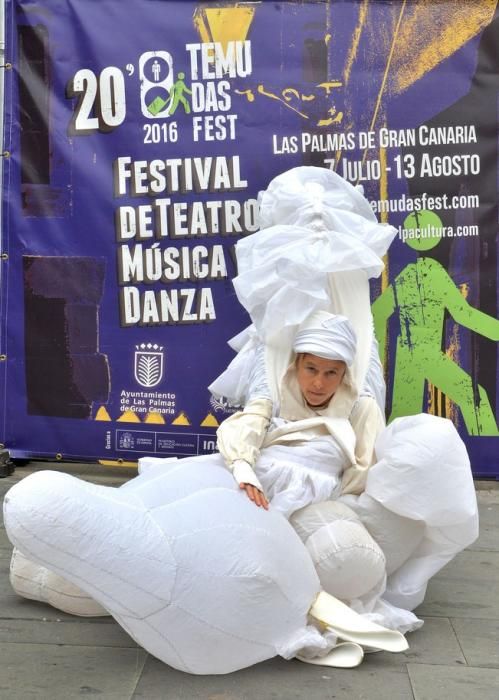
x=49, y=655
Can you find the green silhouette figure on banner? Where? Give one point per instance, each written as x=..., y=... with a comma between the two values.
x=177, y=94
x=421, y=294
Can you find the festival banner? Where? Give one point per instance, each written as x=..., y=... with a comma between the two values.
x=136, y=138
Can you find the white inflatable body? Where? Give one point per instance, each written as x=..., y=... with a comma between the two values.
x=191, y=569
x=105, y=542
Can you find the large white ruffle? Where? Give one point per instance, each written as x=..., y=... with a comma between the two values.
x=283, y=272
x=313, y=224
x=317, y=197
x=318, y=246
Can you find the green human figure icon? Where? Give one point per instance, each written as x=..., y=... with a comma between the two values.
x=177, y=94
x=421, y=294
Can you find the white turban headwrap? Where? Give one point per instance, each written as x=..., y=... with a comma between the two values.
x=327, y=335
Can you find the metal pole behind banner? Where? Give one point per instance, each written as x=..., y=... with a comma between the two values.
x=2, y=82
x=6, y=465
x=2, y=74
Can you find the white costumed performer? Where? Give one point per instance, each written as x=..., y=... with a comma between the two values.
x=408, y=487
x=379, y=510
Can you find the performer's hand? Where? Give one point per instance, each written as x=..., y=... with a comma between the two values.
x=255, y=495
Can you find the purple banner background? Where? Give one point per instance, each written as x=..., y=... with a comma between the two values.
x=74, y=381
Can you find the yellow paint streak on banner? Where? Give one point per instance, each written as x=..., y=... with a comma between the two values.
x=352, y=52
x=129, y=417
x=102, y=414
x=433, y=31
x=453, y=352
x=181, y=419
x=383, y=194
x=430, y=393
x=383, y=183
x=117, y=463
x=210, y=421
x=387, y=71
x=464, y=288
x=439, y=403
x=434, y=400
x=154, y=417
x=224, y=24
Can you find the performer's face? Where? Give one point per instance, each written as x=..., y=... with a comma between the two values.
x=318, y=378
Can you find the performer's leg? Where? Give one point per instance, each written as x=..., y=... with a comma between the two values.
x=348, y=561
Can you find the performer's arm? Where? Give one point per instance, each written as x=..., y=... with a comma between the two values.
x=367, y=421
x=239, y=439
